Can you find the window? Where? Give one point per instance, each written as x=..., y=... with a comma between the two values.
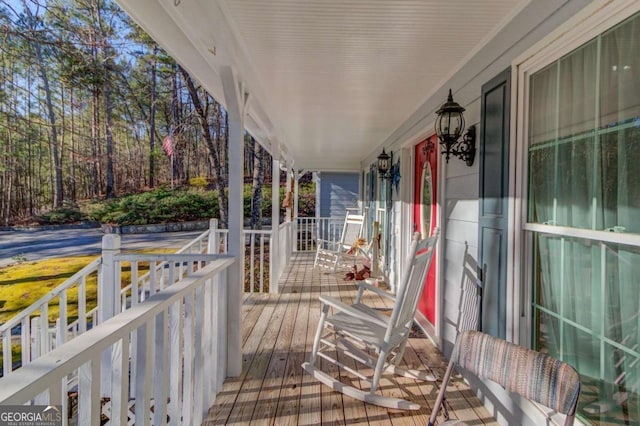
x=583, y=212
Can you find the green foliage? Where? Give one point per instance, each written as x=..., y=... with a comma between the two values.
x=165, y=205
x=307, y=199
x=198, y=182
x=67, y=214
x=158, y=206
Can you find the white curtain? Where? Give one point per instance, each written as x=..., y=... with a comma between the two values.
x=584, y=172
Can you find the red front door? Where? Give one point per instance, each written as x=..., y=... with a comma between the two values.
x=424, y=214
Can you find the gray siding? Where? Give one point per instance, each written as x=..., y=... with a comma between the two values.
x=338, y=191
x=459, y=244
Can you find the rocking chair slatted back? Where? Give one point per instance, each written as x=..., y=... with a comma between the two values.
x=331, y=253
x=352, y=230
x=412, y=284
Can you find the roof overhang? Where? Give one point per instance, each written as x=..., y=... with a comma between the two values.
x=329, y=80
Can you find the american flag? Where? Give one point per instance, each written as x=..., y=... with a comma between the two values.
x=167, y=146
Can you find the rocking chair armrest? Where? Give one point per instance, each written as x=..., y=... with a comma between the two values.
x=349, y=310
x=330, y=245
x=378, y=291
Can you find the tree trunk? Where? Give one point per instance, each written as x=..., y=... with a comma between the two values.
x=152, y=119
x=110, y=193
x=58, y=196
x=72, y=151
x=256, y=187
x=95, y=122
x=213, y=152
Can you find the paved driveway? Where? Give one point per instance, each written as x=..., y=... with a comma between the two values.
x=35, y=245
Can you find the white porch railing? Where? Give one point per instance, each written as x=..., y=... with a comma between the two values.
x=310, y=229
x=257, y=246
x=118, y=363
x=34, y=333
x=29, y=333
x=169, y=348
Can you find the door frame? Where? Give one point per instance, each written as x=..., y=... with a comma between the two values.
x=407, y=196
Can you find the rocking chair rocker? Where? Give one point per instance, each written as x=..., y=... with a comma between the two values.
x=370, y=337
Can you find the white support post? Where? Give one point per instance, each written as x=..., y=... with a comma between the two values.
x=108, y=300
x=109, y=282
x=296, y=198
x=289, y=189
x=274, y=244
x=214, y=238
x=235, y=103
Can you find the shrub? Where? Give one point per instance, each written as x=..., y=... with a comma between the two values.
x=164, y=205
x=157, y=206
x=199, y=182
x=66, y=214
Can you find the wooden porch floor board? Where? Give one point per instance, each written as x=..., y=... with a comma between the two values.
x=289, y=402
x=278, y=333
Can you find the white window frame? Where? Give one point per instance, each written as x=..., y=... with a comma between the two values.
x=592, y=21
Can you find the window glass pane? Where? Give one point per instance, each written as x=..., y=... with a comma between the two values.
x=620, y=190
x=548, y=334
x=574, y=192
x=543, y=105
x=542, y=168
x=587, y=313
x=576, y=94
x=620, y=75
x=569, y=275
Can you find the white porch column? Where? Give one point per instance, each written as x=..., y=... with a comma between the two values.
x=290, y=177
x=296, y=195
x=236, y=103
x=296, y=198
x=274, y=245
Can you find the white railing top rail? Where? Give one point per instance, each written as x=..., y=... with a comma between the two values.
x=193, y=242
x=146, y=275
x=36, y=377
x=165, y=257
x=247, y=231
x=35, y=306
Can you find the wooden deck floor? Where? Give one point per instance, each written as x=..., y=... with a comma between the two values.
x=277, y=334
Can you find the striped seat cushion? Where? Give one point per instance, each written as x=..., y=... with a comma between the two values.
x=538, y=377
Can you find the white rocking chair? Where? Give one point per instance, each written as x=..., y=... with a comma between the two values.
x=331, y=254
x=371, y=338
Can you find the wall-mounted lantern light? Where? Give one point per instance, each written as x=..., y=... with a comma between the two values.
x=388, y=170
x=449, y=128
x=384, y=165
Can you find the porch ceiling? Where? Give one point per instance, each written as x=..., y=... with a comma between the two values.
x=329, y=80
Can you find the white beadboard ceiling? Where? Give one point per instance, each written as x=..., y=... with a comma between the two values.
x=329, y=80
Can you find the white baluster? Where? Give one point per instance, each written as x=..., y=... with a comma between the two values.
x=175, y=362
x=160, y=378
x=120, y=382
x=7, y=364
x=187, y=396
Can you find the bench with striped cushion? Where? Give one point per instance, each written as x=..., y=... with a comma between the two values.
x=535, y=376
